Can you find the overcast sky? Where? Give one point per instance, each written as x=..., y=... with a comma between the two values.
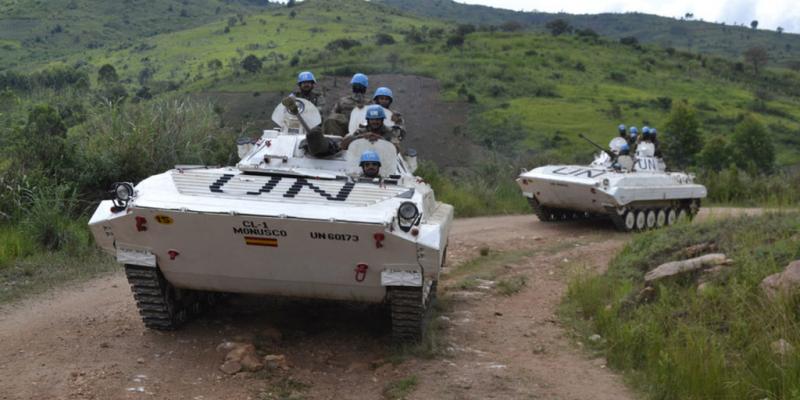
x=770, y=14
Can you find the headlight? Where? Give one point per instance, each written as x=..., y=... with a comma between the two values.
x=124, y=191
x=408, y=211
x=605, y=182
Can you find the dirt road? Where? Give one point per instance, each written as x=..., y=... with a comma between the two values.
x=87, y=342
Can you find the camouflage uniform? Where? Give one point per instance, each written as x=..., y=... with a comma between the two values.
x=338, y=122
x=314, y=97
x=385, y=132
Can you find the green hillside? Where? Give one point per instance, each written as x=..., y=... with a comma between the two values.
x=35, y=31
x=531, y=93
x=690, y=35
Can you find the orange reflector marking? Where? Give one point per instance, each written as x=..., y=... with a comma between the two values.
x=260, y=241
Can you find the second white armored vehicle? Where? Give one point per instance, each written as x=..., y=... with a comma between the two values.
x=284, y=223
x=636, y=193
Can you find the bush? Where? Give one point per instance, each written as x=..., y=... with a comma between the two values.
x=617, y=76
x=251, y=64
x=343, y=44
x=49, y=220
x=382, y=39
x=132, y=141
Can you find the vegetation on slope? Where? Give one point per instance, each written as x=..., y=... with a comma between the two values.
x=686, y=33
x=687, y=343
x=36, y=32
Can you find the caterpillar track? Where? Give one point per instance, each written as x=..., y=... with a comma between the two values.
x=161, y=305
x=551, y=214
x=409, y=308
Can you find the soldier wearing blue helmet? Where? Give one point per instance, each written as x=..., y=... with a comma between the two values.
x=375, y=129
x=338, y=121
x=383, y=97
x=305, y=90
x=370, y=164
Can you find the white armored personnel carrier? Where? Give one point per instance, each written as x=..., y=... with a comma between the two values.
x=284, y=223
x=636, y=193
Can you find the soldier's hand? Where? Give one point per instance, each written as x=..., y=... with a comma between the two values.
x=290, y=105
x=395, y=118
x=372, y=137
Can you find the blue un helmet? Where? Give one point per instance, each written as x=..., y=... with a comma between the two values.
x=375, y=112
x=646, y=130
x=634, y=132
x=653, y=132
x=369, y=156
x=383, y=91
x=305, y=76
x=624, y=149
x=621, y=127
x=360, y=79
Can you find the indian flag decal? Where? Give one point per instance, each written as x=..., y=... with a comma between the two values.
x=260, y=241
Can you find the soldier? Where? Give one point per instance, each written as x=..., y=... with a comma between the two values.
x=370, y=164
x=305, y=90
x=617, y=142
x=383, y=97
x=338, y=122
x=375, y=129
x=653, y=137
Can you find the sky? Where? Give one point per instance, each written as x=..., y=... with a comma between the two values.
x=770, y=14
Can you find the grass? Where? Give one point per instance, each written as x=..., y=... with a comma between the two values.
x=691, y=344
x=41, y=272
x=284, y=389
x=511, y=285
x=13, y=245
x=400, y=389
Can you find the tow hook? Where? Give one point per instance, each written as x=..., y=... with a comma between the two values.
x=361, y=272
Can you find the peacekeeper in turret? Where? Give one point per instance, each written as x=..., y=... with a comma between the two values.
x=383, y=97
x=338, y=121
x=370, y=164
x=305, y=90
x=616, y=143
x=375, y=129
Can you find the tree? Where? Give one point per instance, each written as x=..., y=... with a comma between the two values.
x=251, y=64
x=752, y=146
x=757, y=56
x=754, y=24
x=715, y=155
x=511, y=26
x=107, y=74
x=290, y=3
x=455, y=41
x=682, y=140
x=779, y=30
x=558, y=27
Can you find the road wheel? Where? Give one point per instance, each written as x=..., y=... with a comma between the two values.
x=661, y=218
x=630, y=220
x=672, y=216
x=641, y=220
x=651, y=219
x=683, y=214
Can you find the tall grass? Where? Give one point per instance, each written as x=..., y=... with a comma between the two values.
x=737, y=187
x=489, y=190
x=129, y=142
x=689, y=344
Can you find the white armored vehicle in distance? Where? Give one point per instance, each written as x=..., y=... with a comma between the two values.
x=281, y=223
x=636, y=193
